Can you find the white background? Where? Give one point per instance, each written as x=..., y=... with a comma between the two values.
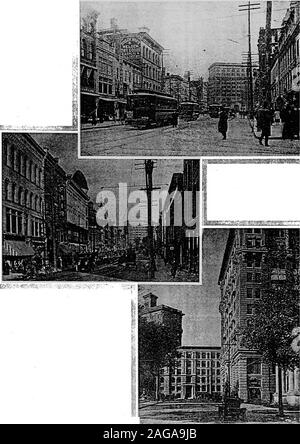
x=66, y=353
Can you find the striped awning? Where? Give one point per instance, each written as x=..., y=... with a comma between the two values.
x=17, y=248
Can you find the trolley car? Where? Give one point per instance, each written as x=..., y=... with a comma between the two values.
x=214, y=110
x=146, y=109
x=189, y=110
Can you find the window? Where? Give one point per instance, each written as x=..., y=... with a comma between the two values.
x=249, y=293
x=249, y=309
x=249, y=277
x=6, y=189
x=257, y=293
x=257, y=277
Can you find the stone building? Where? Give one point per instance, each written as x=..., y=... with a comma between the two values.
x=195, y=373
x=77, y=212
x=23, y=214
x=285, y=70
x=228, y=85
x=240, y=282
x=162, y=314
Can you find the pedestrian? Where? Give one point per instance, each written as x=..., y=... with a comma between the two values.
x=294, y=117
x=223, y=122
x=266, y=119
x=174, y=267
x=175, y=119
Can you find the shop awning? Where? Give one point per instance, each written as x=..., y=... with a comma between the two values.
x=17, y=248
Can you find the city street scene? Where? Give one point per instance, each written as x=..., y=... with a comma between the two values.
x=227, y=350
x=153, y=82
x=69, y=219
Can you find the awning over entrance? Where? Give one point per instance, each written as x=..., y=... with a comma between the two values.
x=17, y=248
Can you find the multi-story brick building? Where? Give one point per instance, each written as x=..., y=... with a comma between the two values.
x=88, y=65
x=179, y=235
x=195, y=373
x=77, y=212
x=228, y=85
x=55, y=209
x=240, y=282
x=23, y=214
x=142, y=51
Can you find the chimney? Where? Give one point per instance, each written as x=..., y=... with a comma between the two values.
x=150, y=300
x=144, y=29
x=113, y=24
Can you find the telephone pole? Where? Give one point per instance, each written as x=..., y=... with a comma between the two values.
x=250, y=7
x=149, y=165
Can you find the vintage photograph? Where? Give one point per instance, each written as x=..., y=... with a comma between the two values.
x=190, y=78
x=228, y=350
x=70, y=219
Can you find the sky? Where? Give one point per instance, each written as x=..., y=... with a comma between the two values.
x=108, y=173
x=199, y=303
x=195, y=34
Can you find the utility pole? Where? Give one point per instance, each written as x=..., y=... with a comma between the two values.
x=149, y=165
x=250, y=7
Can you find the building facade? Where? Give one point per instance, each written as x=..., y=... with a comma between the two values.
x=285, y=70
x=88, y=66
x=178, y=233
x=55, y=209
x=240, y=282
x=77, y=212
x=162, y=314
x=194, y=374
x=228, y=85
x=23, y=217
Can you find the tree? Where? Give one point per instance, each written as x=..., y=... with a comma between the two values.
x=157, y=347
x=277, y=312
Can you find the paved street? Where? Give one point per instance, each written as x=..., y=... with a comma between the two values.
x=196, y=138
x=187, y=412
x=116, y=272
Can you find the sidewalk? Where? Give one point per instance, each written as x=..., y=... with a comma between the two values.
x=276, y=130
x=106, y=124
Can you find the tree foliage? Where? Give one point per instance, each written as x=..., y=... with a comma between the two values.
x=157, y=347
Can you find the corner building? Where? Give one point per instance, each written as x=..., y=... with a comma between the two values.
x=240, y=284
